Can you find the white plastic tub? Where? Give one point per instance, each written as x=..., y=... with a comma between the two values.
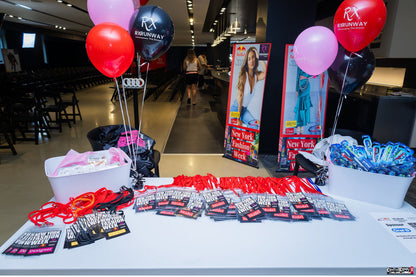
x=65, y=187
x=369, y=187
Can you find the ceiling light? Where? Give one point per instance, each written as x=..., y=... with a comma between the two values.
x=23, y=6
x=64, y=28
x=19, y=18
x=10, y=15
x=69, y=5
x=223, y=9
x=59, y=1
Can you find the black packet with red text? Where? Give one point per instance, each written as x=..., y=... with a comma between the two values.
x=298, y=201
x=192, y=210
x=216, y=203
x=296, y=215
x=321, y=207
x=163, y=198
x=284, y=209
x=249, y=210
x=34, y=243
x=339, y=211
x=18, y=244
x=311, y=213
x=145, y=202
x=181, y=197
x=231, y=211
x=269, y=203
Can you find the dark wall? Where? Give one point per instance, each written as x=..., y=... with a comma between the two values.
x=285, y=21
x=62, y=49
x=64, y=52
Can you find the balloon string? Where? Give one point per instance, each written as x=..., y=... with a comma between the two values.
x=139, y=73
x=340, y=100
x=133, y=154
x=141, y=110
x=122, y=115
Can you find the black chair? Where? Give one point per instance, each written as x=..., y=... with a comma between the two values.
x=5, y=129
x=71, y=102
x=52, y=103
x=26, y=116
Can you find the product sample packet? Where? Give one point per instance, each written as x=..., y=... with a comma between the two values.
x=180, y=198
x=92, y=225
x=298, y=200
x=113, y=225
x=71, y=239
x=17, y=247
x=296, y=215
x=163, y=198
x=311, y=213
x=320, y=206
x=249, y=210
x=214, y=199
x=145, y=202
x=339, y=211
x=192, y=210
x=225, y=213
x=166, y=212
x=284, y=209
x=269, y=203
x=34, y=243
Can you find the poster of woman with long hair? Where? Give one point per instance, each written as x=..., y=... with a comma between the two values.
x=245, y=100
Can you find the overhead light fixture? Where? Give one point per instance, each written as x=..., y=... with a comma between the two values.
x=59, y=1
x=69, y=5
x=23, y=6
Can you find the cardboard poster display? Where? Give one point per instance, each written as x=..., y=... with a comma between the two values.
x=302, y=119
x=245, y=101
x=11, y=60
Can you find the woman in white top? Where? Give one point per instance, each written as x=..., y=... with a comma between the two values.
x=191, y=65
x=248, y=77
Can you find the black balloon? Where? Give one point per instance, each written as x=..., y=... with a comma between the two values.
x=152, y=31
x=360, y=68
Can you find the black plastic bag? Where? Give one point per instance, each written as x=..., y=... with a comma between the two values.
x=104, y=137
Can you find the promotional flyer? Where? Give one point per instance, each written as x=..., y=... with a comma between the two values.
x=303, y=111
x=245, y=101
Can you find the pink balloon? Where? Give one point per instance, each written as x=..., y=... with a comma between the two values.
x=114, y=11
x=315, y=49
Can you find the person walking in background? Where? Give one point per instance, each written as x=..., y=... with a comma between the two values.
x=204, y=65
x=249, y=75
x=191, y=66
x=303, y=103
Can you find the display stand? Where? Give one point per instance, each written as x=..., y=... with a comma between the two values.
x=172, y=245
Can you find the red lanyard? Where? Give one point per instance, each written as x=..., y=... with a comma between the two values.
x=247, y=184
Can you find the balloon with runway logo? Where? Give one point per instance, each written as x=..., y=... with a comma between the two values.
x=152, y=31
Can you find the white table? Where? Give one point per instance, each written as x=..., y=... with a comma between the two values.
x=171, y=245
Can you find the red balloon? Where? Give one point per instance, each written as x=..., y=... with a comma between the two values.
x=358, y=22
x=143, y=2
x=110, y=49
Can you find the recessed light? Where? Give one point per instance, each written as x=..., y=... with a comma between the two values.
x=69, y=5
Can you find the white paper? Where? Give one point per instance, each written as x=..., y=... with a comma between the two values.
x=401, y=225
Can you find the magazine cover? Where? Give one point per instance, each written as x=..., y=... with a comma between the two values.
x=303, y=111
x=245, y=101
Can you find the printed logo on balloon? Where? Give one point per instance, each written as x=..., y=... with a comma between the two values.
x=152, y=32
x=358, y=22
